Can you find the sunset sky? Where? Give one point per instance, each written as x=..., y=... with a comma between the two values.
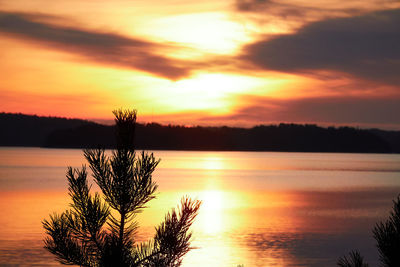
x=233, y=62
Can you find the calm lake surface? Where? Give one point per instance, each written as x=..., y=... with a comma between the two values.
x=259, y=208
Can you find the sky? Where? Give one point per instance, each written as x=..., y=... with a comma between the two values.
x=229, y=62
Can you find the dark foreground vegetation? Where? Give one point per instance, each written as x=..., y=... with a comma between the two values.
x=100, y=229
x=387, y=236
x=25, y=130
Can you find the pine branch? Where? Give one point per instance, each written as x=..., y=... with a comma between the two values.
x=354, y=260
x=387, y=235
x=100, y=166
x=172, y=239
x=89, y=214
x=62, y=243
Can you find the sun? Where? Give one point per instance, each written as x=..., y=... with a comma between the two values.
x=211, y=92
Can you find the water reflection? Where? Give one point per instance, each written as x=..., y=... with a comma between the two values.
x=211, y=162
x=211, y=211
x=259, y=209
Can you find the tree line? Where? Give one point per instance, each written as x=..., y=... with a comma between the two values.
x=25, y=130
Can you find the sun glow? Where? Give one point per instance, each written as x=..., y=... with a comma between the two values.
x=209, y=32
x=211, y=92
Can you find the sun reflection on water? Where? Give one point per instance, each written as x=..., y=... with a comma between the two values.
x=212, y=163
x=251, y=215
x=211, y=211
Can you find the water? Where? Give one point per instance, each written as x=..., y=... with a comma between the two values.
x=259, y=208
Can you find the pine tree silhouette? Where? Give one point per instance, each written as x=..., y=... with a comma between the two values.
x=99, y=230
x=387, y=236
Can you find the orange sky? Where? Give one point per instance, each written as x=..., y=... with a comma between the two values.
x=238, y=62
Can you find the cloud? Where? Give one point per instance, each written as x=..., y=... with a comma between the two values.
x=287, y=8
x=101, y=47
x=364, y=46
x=276, y=8
x=250, y=5
x=366, y=112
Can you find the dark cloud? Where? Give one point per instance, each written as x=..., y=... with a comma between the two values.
x=251, y=5
x=275, y=8
x=311, y=10
x=322, y=110
x=101, y=47
x=365, y=46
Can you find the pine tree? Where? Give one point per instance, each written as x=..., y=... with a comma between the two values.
x=99, y=229
x=387, y=236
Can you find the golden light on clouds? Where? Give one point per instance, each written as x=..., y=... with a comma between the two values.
x=211, y=92
x=202, y=62
x=209, y=32
x=208, y=91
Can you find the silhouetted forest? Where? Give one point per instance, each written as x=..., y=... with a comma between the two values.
x=26, y=130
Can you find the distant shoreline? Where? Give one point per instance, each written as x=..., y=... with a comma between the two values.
x=19, y=130
x=155, y=150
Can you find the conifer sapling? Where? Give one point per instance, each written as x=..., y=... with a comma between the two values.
x=99, y=229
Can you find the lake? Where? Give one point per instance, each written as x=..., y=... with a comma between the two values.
x=259, y=208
